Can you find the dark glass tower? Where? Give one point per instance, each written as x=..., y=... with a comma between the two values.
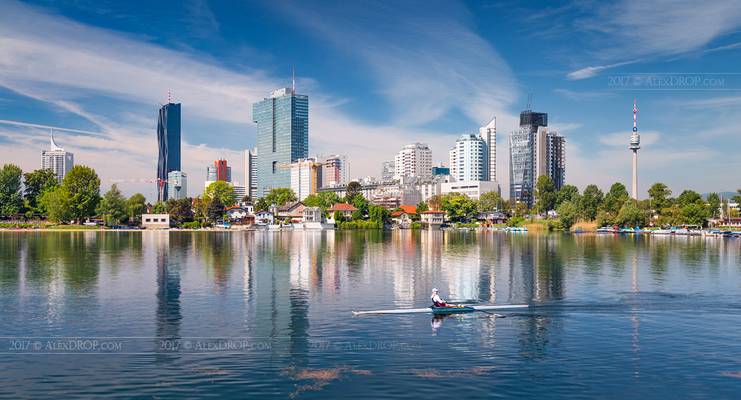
x=523, y=156
x=168, y=139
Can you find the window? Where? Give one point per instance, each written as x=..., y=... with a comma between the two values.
x=148, y=220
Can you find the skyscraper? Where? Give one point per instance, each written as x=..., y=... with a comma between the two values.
x=250, y=172
x=168, y=140
x=306, y=177
x=534, y=151
x=489, y=134
x=223, y=171
x=177, y=185
x=388, y=169
x=334, y=170
x=282, y=137
x=56, y=159
x=468, y=159
x=414, y=160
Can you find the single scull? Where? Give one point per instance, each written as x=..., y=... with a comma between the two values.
x=430, y=310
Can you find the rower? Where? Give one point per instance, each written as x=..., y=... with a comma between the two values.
x=436, y=300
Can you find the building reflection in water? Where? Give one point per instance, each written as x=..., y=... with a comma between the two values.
x=168, y=314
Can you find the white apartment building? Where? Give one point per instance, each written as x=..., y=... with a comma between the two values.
x=413, y=160
x=489, y=134
x=472, y=189
x=250, y=172
x=306, y=177
x=57, y=160
x=468, y=161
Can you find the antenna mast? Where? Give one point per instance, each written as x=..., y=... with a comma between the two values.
x=293, y=79
x=529, y=102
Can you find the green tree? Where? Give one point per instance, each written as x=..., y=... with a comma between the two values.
x=323, y=200
x=568, y=213
x=136, y=205
x=545, y=193
x=37, y=183
x=112, y=207
x=220, y=190
x=421, y=207
x=378, y=214
x=615, y=198
x=630, y=215
x=215, y=210
x=688, y=197
x=714, y=205
x=278, y=197
x=490, y=201
x=659, y=195
x=58, y=205
x=435, y=202
x=361, y=203
x=591, y=201
x=160, y=207
x=737, y=198
x=200, y=207
x=353, y=190
x=567, y=193
x=11, y=196
x=83, y=186
x=180, y=210
x=459, y=207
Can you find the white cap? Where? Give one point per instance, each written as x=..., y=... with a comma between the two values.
x=434, y=290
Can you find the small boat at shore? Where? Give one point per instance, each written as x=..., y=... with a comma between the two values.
x=443, y=310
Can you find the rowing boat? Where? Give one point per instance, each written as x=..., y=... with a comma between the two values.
x=431, y=310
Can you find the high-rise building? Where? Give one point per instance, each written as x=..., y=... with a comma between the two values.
x=168, y=140
x=177, y=185
x=534, y=151
x=239, y=192
x=387, y=170
x=57, y=159
x=635, y=145
x=250, y=172
x=489, y=135
x=282, y=137
x=468, y=161
x=440, y=170
x=334, y=170
x=414, y=160
x=223, y=171
x=211, y=173
x=306, y=177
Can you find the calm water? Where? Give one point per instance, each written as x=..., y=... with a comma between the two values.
x=267, y=315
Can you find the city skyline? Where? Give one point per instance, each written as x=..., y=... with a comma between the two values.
x=402, y=101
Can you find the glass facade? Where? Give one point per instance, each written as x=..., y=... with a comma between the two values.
x=177, y=185
x=282, y=137
x=168, y=140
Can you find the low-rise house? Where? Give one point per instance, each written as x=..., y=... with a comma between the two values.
x=344, y=209
x=264, y=218
x=291, y=212
x=492, y=217
x=432, y=219
x=404, y=216
x=156, y=221
x=239, y=215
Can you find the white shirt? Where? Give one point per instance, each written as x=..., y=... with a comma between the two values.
x=436, y=298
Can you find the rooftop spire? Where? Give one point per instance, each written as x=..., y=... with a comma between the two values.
x=169, y=96
x=635, y=115
x=293, y=79
x=53, y=145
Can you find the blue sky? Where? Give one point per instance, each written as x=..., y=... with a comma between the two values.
x=379, y=75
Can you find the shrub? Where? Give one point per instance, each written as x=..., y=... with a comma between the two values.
x=191, y=225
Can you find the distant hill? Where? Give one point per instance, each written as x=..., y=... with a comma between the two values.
x=723, y=195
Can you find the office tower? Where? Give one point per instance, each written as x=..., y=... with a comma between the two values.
x=334, y=170
x=223, y=171
x=387, y=170
x=306, y=177
x=250, y=172
x=211, y=173
x=414, y=160
x=488, y=134
x=635, y=145
x=168, y=140
x=282, y=137
x=177, y=185
x=468, y=161
x=57, y=160
x=239, y=192
x=535, y=151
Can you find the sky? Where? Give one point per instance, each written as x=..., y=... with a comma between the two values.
x=378, y=75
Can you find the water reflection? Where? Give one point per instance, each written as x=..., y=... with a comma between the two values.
x=168, y=315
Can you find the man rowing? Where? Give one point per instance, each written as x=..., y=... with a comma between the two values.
x=436, y=300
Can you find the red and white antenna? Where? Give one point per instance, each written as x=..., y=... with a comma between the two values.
x=169, y=96
x=635, y=115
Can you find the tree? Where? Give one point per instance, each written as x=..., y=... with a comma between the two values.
x=278, y=197
x=323, y=200
x=361, y=203
x=695, y=213
x=160, y=208
x=180, y=210
x=136, y=205
x=490, y=201
x=421, y=207
x=545, y=193
x=615, y=198
x=714, y=205
x=737, y=198
x=112, y=207
x=688, y=197
x=353, y=190
x=591, y=201
x=215, y=210
x=11, y=197
x=458, y=206
x=435, y=202
x=220, y=190
x=37, y=183
x=83, y=186
x=568, y=213
x=567, y=193
x=200, y=207
x=659, y=194
x=630, y=215
x=58, y=205
x=377, y=213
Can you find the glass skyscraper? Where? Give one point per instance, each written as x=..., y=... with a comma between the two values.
x=168, y=139
x=57, y=160
x=282, y=137
x=177, y=185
